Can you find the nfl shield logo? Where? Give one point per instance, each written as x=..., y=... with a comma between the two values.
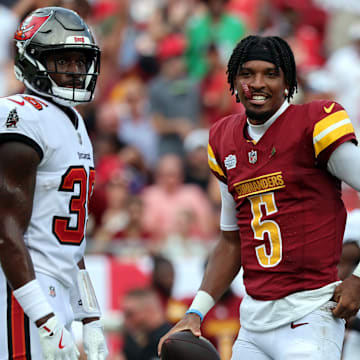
x=252, y=156
x=52, y=291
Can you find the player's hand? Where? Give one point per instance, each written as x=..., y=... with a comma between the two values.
x=94, y=341
x=57, y=342
x=347, y=295
x=190, y=322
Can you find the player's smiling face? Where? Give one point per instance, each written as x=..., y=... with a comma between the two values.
x=261, y=88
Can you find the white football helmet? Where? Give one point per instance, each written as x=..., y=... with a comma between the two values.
x=54, y=29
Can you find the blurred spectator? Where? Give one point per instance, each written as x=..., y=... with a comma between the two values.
x=144, y=324
x=110, y=21
x=137, y=171
x=351, y=245
x=340, y=16
x=349, y=259
x=196, y=167
x=9, y=21
x=217, y=101
x=343, y=68
x=168, y=198
x=115, y=217
x=302, y=13
x=163, y=275
x=174, y=97
x=11, y=13
x=163, y=278
x=303, y=25
x=317, y=85
x=82, y=7
x=216, y=26
x=253, y=12
x=134, y=122
x=134, y=229
x=221, y=325
x=181, y=241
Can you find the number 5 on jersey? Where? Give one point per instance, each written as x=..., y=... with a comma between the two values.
x=259, y=227
x=74, y=235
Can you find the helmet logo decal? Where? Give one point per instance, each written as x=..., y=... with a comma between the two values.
x=29, y=27
x=79, y=39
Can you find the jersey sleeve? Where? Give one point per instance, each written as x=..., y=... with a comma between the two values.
x=214, y=166
x=228, y=218
x=18, y=122
x=214, y=158
x=332, y=127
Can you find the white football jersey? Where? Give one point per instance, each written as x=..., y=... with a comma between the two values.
x=64, y=181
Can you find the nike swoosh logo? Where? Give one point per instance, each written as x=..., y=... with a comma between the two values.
x=293, y=326
x=21, y=103
x=61, y=346
x=328, y=110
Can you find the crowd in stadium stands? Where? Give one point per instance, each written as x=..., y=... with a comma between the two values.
x=162, y=84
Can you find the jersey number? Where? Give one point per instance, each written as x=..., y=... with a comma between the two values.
x=272, y=256
x=74, y=235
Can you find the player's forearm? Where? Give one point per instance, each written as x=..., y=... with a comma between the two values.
x=18, y=166
x=14, y=256
x=19, y=271
x=224, y=264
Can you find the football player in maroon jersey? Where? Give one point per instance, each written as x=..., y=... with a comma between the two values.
x=280, y=168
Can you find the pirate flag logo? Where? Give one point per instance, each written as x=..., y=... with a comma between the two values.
x=12, y=119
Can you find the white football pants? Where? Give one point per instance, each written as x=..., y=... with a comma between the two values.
x=316, y=336
x=19, y=337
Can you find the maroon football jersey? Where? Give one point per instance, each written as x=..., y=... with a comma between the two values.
x=289, y=207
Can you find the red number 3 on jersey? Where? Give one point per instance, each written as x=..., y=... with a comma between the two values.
x=74, y=235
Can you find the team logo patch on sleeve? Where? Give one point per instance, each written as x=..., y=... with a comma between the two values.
x=12, y=119
x=230, y=162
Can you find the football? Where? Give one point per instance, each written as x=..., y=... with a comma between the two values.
x=185, y=345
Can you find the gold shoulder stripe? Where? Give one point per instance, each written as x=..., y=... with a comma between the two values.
x=331, y=134
x=213, y=163
x=329, y=121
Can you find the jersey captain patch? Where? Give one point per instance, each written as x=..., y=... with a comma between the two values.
x=12, y=119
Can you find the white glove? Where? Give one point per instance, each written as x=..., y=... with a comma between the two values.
x=56, y=342
x=94, y=341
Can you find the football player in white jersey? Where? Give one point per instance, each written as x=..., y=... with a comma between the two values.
x=46, y=179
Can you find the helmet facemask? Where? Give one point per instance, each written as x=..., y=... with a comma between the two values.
x=79, y=86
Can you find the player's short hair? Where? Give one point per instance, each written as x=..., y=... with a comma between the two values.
x=279, y=50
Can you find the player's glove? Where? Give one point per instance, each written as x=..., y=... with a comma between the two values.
x=57, y=342
x=94, y=341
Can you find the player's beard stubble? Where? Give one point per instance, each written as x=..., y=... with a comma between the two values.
x=260, y=117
